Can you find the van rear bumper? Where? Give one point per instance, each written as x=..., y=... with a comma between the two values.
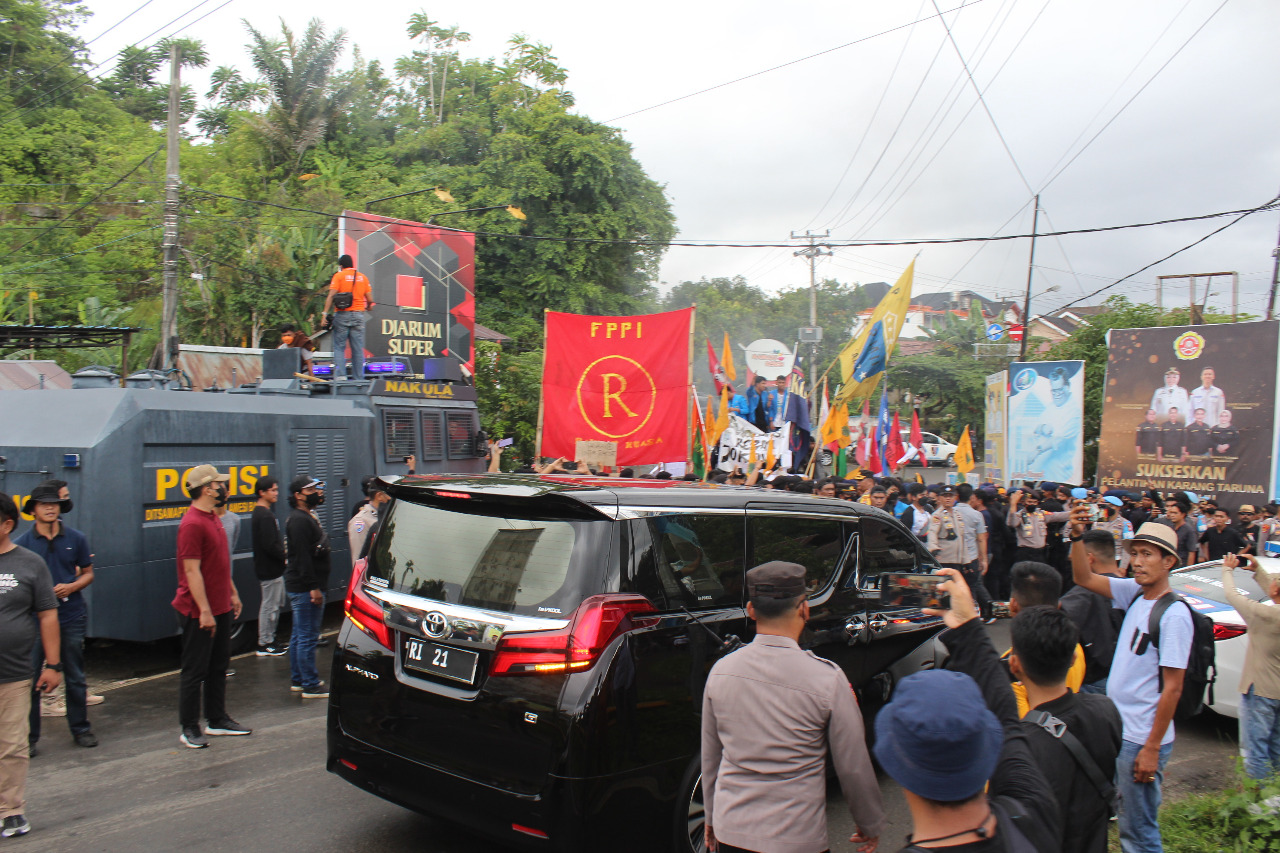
x=630, y=811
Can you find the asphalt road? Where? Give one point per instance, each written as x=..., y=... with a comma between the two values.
x=142, y=790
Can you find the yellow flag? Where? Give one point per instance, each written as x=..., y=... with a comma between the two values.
x=769, y=458
x=964, y=453
x=443, y=194
x=708, y=422
x=892, y=312
x=516, y=212
x=722, y=419
x=726, y=361
x=752, y=456
x=841, y=427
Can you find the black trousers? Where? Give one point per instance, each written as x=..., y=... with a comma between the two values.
x=1024, y=554
x=205, y=657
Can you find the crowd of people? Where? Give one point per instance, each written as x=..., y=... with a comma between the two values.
x=1033, y=750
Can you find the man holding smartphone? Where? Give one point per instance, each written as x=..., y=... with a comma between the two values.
x=26, y=592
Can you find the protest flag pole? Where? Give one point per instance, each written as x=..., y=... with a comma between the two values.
x=693, y=314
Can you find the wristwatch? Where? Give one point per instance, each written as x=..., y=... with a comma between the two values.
x=56, y=667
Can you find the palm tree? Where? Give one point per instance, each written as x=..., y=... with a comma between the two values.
x=303, y=101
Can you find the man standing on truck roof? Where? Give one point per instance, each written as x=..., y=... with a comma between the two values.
x=268, y=564
x=349, y=297
x=770, y=715
x=65, y=551
x=305, y=579
x=207, y=604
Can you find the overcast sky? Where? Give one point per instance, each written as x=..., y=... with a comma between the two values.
x=885, y=138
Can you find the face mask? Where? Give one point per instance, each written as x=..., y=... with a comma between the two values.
x=222, y=497
x=315, y=500
x=66, y=506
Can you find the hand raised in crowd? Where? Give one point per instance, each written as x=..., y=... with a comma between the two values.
x=1015, y=499
x=962, y=607
x=1080, y=520
x=1238, y=561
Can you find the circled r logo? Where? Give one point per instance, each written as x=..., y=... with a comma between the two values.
x=1188, y=345
x=601, y=400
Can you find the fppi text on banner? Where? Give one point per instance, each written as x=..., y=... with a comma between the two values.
x=618, y=379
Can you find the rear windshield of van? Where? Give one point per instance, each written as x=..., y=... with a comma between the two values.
x=525, y=566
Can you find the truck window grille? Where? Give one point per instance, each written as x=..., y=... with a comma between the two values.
x=432, y=436
x=397, y=431
x=461, y=438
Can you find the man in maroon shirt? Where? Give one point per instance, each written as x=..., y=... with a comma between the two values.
x=207, y=604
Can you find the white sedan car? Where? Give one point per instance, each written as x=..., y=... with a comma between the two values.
x=937, y=450
x=1201, y=586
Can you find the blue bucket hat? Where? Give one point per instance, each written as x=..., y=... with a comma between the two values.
x=937, y=738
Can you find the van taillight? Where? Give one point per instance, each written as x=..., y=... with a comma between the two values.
x=593, y=626
x=1227, y=630
x=363, y=611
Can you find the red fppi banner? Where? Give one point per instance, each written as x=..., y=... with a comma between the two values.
x=617, y=379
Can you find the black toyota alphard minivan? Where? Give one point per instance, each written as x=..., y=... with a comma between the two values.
x=526, y=655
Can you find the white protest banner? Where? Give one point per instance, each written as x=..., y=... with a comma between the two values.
x=735, y=445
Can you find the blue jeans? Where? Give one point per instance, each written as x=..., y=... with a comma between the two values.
x=348, y=326
x=1099, y=686
x=302, y=642
x=1139, y=801
x=1259, y=734
x=72, y=673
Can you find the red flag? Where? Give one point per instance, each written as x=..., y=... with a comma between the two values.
x=897, y=452
x=917, y=438
x=617, y=379
x=875, y=457
x=717, y=370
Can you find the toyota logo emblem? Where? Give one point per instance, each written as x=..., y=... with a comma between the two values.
x=434, y=624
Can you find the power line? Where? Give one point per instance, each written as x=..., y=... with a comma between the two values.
x=749, y=244
x=1268, y=206
x=49, y=96
x=1135, y=95
x=128, y=236
x=787, y=64
x=135, y=168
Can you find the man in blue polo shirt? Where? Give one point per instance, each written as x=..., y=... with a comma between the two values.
x=66, y=552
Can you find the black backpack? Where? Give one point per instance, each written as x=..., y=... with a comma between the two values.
x=1202, y=670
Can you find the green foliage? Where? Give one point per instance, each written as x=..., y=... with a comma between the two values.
x=948, y=389
x=1243, y=819
x=509, y=385
x=301, y=128
x=1089, y=343
x=747, y=313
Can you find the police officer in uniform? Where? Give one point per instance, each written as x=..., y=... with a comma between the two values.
x=770, y=714
x=1031, y=525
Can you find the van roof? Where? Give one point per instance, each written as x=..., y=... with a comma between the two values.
x=611, y=491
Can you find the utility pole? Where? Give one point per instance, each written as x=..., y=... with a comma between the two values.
x=1275, y=280
x=1026, y=305
x=813, y=251
x=169, y=312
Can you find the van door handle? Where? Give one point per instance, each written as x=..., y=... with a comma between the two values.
x=877, y=623
x=857, y=630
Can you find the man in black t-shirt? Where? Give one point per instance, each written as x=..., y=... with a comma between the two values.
x=1222, y=538
x=268, y=565
x=28, y=614
x=1226, y=438
x=1172, y=436
x=1148, y=436
x=1198, y=436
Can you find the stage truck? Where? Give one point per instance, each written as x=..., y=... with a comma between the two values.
x=124, y=450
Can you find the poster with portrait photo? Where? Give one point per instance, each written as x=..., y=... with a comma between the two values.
x=1191, y=408
x=1045, y=429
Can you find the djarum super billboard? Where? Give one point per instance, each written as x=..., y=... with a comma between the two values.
x=1191, y=408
